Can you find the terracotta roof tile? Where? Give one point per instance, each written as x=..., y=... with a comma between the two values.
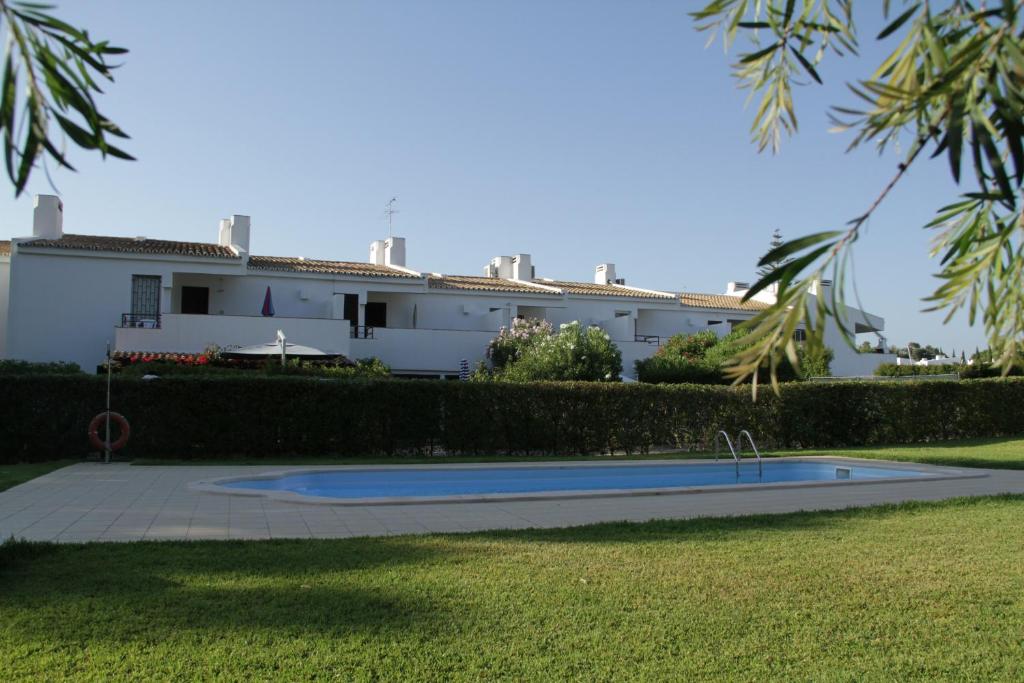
x=299, y=265
x=5, y=247
x=720, y=301
x=593, y=289
x=134, y=246
x=484, y=284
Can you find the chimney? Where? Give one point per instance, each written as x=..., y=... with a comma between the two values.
x=48, y=217
x=604, y=274
x=737, y=288
x=521, y=267
x=394, y=251
x=377, y=252
x=234, y=232
x=502, y=267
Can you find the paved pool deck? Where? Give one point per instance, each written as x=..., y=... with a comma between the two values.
x=119, y=502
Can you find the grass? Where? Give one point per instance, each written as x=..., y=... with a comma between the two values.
x=1002, y=453
x=917, y=591
x=12, y=475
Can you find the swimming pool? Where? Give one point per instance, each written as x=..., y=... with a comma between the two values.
x=491, y=482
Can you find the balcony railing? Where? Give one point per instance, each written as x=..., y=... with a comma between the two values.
x=648, y=339
x=362, y=332
x=145, y=321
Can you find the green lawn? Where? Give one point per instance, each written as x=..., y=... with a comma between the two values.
x=1003, y=453
x=918, y=591
x=12, y=475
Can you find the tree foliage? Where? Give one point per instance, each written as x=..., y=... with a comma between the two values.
x=51, y=73
x=952, y=86
x=776, y=241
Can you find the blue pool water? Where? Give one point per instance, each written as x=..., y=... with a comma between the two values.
x=402, y=483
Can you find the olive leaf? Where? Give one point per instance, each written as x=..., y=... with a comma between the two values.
x=952, y=84
x=59, y=67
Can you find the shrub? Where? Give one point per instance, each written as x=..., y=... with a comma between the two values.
x=211, y=363
x=531, y=352
x=45, y=417
x=513, y=341
x=702, y=357
x=21, y=367
x=974, y=371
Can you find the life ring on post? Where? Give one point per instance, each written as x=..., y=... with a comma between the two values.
x=99, y=422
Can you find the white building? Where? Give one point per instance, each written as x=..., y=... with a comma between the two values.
x=64, y=296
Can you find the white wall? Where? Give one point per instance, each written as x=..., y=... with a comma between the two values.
x=423, y=351
x=853, y=364
x=64, y=306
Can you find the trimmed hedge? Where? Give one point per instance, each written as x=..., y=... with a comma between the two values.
x=45, y=417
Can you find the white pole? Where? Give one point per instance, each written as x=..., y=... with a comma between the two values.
x=282, y=340
x=106, y=443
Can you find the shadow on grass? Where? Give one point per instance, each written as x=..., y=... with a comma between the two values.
x=150, y=590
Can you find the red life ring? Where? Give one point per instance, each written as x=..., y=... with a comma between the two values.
x=99, y=422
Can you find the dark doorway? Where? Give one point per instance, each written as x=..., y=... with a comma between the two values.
x=195, y=300
x=376, y=314
x=352, y=309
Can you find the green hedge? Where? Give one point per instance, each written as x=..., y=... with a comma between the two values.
x=45, y=417
x=976, y=371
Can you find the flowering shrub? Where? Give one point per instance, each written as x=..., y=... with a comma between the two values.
x=213, y=362
x=511, y=342
x=530, y=351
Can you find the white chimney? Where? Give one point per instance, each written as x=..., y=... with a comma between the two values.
x=234, y=232
x=604, y=274
x=522, y=269
x=224, y=234
x=394, y=251
x=48, y=217
x=737, y=288
x=377, y=252
x=502, y=266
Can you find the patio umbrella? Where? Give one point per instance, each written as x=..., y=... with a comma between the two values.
x=268, y=304
x=275, y=348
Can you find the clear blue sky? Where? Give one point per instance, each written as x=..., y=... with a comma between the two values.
x=577, y=131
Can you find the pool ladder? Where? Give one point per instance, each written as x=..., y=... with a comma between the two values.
x=737, y=452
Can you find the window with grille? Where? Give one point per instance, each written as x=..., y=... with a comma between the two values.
x=145, y=296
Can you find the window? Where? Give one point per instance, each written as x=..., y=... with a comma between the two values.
x=799, y=335
x=145, y=297
x=195, y=300
x=376, y=314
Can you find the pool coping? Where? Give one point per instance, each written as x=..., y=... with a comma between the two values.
x=215, y=486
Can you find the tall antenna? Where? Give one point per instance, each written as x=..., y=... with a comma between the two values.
x=390, y=212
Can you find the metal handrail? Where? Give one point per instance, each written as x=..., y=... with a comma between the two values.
x=144, y=320
x=739, y=442
x=732, y=450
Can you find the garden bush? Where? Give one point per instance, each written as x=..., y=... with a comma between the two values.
x=531, y=351
x=974, y=371
x=21, y=367
x=700, y=358
x=45, y=417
